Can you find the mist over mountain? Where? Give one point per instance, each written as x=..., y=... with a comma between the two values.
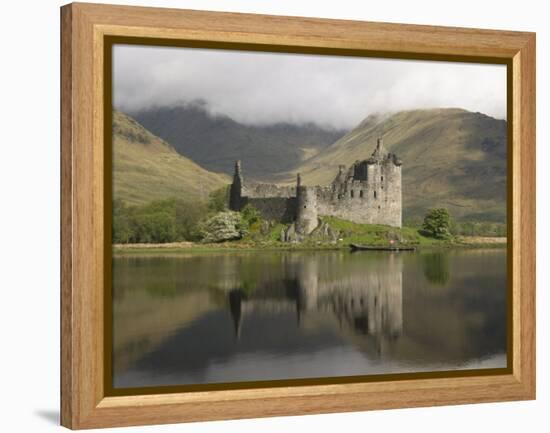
x=259, y=88
x=216, y=141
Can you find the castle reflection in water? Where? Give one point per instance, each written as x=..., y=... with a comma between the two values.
x=276, y=315
x=368, y=303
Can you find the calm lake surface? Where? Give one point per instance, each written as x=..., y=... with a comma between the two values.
x=198, y=318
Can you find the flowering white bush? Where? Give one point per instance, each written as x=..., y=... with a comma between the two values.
x=224, y=226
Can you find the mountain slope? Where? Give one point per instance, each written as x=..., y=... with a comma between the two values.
x=215, y=142
x=451, y=158
x=145, y=168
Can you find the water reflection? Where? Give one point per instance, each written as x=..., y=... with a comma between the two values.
x=367, y=303
x=436, y=267
x=203, y=318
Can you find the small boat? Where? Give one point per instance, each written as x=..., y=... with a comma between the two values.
x=357, y=247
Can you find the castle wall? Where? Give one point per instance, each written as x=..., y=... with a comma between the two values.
x=262, y=190
x=370, y=193
x=273, y=202
x=281, y=209
x=376, y=200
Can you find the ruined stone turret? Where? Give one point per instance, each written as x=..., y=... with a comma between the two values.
x=379, y=153
x=235, y=191
x=306, y=208
x=376, y=182
x=368, y=192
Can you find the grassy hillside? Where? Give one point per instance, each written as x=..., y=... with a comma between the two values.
x=215, y=142
x=145, y=168
x=451, y=158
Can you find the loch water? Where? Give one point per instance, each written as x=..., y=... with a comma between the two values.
x=218, y=317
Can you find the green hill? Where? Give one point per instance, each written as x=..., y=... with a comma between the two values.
x=145, y=168
x=451, y=158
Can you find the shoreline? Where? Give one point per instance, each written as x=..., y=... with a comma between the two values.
x=474, y=242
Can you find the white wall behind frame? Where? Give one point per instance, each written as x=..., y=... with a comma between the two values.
x=29, y=216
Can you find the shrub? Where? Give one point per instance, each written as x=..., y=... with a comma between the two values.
x=224, y=226
x=437, y=223
x=187, y=220
x=217, y=200
x=122, y=231
x=157, y=222
x=250, y=214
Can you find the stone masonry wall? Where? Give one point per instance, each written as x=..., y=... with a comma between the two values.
x=265, y=190
x=375, y=201
x=274, y=208
x=369, y=193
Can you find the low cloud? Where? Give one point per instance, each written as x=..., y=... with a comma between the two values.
x=266, y=88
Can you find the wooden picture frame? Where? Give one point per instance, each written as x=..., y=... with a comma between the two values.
x=85, y=216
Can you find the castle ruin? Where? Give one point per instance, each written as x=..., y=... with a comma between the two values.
x=369, y=192
x=366, y=301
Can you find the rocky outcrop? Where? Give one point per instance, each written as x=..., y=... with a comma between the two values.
x=323, y=232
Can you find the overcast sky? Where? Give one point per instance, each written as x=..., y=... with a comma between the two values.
x=263, y=88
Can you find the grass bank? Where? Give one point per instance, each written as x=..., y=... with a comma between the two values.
x=260, y=238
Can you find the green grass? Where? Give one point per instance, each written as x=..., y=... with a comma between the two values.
x=379, y=235
x=261, y=239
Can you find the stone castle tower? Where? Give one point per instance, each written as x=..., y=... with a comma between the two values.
x=306, y=208
x=369, y=192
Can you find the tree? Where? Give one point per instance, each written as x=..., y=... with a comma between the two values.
x=188, y=216
x=136, y=224
x=437, y=223
x=154, y=223
x=217, y=199
x=250, y=214
x=122, y=232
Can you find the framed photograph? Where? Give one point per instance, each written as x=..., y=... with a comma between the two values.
x=266, y=215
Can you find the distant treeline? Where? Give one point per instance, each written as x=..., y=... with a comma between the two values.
x=163, y=221
x=478, y=229
x=469, y=228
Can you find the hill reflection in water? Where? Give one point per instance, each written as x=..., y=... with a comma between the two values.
x=208, y=318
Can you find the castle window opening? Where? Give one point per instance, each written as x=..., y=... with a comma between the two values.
x=361, y=193
x=374, y=194
x=382, y=178
x=351, y=194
